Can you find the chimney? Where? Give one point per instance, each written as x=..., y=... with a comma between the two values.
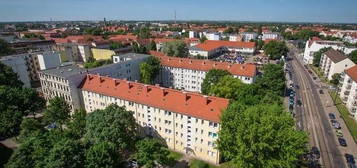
x=101, y=79
x=206, y=100
x=90, y=77
x=243, y=67
x=186, y=96
x=164, y=93
x=230, y=65
x=116, y=82
x=190, y=61
x=203, y=63
x=180, y=60
x=129, y=84
x=214, y=64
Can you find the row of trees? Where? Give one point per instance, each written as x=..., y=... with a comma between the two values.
x=5, y=48
x=256, y=131
x=101, y=139
x=175, y=48
x=305, y=34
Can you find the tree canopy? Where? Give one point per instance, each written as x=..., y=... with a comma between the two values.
x=317, y=56
x=212, y=78
x=175, y=48
x=353, y=56
x=275, y=49
x=260, y=136
x=335, y=79
x=149, y=70
x=5, y=48
x=66, y=153
x=102, y=154
x=151, y=152
x=113, y=124
x=9, y=77
x=58, y=112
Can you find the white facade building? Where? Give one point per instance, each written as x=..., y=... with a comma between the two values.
x=333, y=62
x=192, y=34
x=270, y=35
x=348, y=90
x=213, y=36
x=247, y=36
x=187, y=122
x=313, y=46
x=18, y=64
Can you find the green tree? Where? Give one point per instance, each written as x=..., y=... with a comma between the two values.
x=14, y=105
x=30, y=127
x=5, y=49
x=139, y=48
x=65, y=153
x=149, y=70
x=259, y=44
x=8, y=76
x=203, y=39
x=260, y=136
x=58, y=112
x=152, y=45
x=115, y=45
x=77, y=127
x=175, y=48
x=113, y=124
x=102, y=155
x=273, y=79
x=317, y=56
x=353, y=56
x=229, y=30
x=227, y=87
x=22, y=157
x=151, y=152
x=335, y=79
x=212, y=78
x=275, y=49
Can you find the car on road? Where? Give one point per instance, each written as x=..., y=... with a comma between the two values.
x=337, y=125
x=315, y=151
x=321, y=91
x=298, y=102
x=314, y=77
x=297, y=86
x=342, y=142
x=339, y=133
x=309, y=71
x=332, y=116
x=350, y=158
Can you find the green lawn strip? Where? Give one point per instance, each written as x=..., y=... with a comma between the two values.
x=319, y=74
x=195, y=163
x=350, y=122
x=175, y=155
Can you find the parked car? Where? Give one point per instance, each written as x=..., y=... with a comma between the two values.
x=339, y=133
x=350, y=158
x=315, y=151
x=314, y=77
x=332, y=116
x=321, y=91
x=342, y=142
x=337, y=125
x=298, y=102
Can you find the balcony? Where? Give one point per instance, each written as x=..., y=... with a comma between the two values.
x=346, y=92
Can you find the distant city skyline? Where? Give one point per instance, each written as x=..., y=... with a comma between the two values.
x=326, y=11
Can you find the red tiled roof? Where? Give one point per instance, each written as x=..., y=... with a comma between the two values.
x=191, y=104
x=163, y=40
x=210, y=45
x=352, y=72
x=249, y=70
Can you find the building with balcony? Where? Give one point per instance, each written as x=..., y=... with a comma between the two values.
x=348, y=90
x=186, y=122
x=333, y=62
x=188, y=74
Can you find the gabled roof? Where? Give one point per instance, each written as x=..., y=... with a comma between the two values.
x=335, y=56
x=210, y=45
x=191, y=104
x=352, y=72
x=248, y=70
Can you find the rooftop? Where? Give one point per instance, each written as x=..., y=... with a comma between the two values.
x=65, y=71
x=249, y=70
x=210, y=45
x=191, y=104
x=352, y=72
x=132, y=55
x=335, y=56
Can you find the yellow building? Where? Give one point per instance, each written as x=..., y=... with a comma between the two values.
x=185, y=122
x=102, y=54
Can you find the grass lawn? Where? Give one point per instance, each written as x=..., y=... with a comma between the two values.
x=175, y=155
x=200, y=164
x=319, y=74
x=350, y=122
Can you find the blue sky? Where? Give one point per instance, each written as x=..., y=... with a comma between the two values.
x=237, y=10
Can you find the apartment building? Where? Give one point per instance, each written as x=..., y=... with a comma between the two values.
x=348, y=90
x=186, y=122
x=188, y=74
x=315, y=44
x=333, y=62
x=235, y=37
x=213, y=36
x=63, y=81
x=247, y=36
x=212, y=48
x=270, y=36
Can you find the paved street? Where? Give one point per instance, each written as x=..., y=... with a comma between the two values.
x=312, y=116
